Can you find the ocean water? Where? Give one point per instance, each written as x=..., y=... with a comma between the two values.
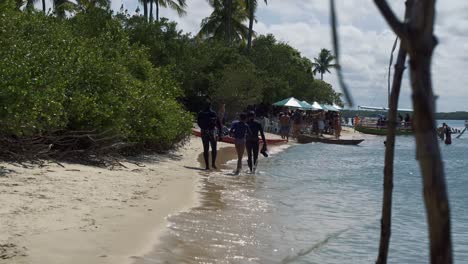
x=317, y=203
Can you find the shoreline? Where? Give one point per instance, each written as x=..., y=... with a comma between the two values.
x=82, y=214
x=174, y=247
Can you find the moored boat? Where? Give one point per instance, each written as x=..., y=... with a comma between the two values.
x=304, y=139
x=382, y=131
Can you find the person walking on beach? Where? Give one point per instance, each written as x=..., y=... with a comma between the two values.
x=240, y=131
x=211, y=130
x=252, y=142
x=284, y=126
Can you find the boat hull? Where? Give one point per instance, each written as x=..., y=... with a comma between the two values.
x=382, y=131
x=304, y=139
x=230, y=140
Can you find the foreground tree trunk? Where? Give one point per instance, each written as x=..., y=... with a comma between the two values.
x=43, y=6
x=417, y=37
x=386, y=221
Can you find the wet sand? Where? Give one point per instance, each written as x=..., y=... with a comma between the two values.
x=214, y=231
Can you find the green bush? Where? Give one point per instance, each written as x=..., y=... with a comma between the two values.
x=72, y=75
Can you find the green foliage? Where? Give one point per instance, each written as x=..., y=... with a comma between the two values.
x=133, y=78
x=214, y=26
x=84, y=74
x=238, y=86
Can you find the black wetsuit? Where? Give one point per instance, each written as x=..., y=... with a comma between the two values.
x=252, y=143
x=208, y=122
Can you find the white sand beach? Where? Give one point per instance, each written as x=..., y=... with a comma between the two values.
x=82, y=214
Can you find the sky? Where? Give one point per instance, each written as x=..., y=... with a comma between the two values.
x=366, y=43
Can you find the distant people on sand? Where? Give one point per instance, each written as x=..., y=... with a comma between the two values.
x=321, y=123
x=337, y=125
x=210, y=127
x=407, y=120
x=252, y=143
x=222, y=113
x=284, y=125
x=240, y=131
x=357, y=120
x=297, y=123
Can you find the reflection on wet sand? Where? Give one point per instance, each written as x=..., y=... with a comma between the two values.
x=222, y=228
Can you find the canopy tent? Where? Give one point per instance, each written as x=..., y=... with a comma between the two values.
x=290, y=102
x=317, y=106
x=307, y=106
x=314, y=106
x=329, y=108
x=337, y=106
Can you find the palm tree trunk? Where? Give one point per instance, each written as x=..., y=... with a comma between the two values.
x=151, y=10
x=157, y=10
x=145, y=9
x=43, y=6
x=251, y=22
x=321, y=76
x=229, y=21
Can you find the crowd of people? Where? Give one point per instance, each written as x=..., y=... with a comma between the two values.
x=246, y=130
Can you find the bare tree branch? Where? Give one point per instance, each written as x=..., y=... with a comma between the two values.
x=397, y=26
x=420, y=44
x=336, y=47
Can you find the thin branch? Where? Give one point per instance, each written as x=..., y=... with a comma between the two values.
x=336, y=46
x=397, y=26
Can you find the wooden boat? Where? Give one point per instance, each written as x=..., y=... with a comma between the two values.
x=382, y=131
x=304, y=139
x=230, y=140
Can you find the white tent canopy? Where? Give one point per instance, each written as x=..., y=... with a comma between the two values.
x=316, y=106
x=337, y=106
x=289, y=102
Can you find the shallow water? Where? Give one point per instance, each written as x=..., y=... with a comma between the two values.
x=316, y=203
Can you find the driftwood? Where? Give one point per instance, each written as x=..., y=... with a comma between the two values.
x=417, y=37
x=386, y=221
x=77, y=146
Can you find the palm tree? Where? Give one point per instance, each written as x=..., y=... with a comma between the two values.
x=151, y=2
x=323, y=63
x=61, y=6
x=145, y=7
x=177, y=5
x=85, y=5
x=251, y=6
x=224, y=22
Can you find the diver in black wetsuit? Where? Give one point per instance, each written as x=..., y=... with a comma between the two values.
x=252, y=143
x=210, y=127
